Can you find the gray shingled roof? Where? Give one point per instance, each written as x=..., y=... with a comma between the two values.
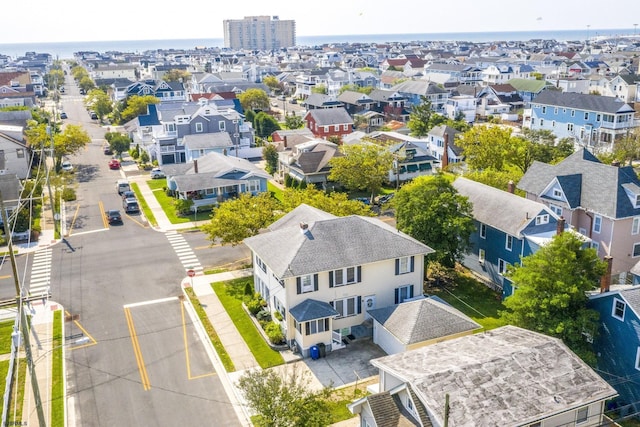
x=508, y=376
x=388, y=411
x=303, y=213
x=499, y=209
x=422, y=320
x=207, y=140
x=600, y=186
x=418, y=87
x=311, y=309
x=332, y=243
x=581, y=101
x=331, y=116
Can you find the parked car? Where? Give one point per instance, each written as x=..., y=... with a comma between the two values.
x=107, y=150
x=93, y=115
x=114, y=164
x=384, y=199
x=66, y=166
x=128, y=195
x=281, y=98
x=130, y=206
x=364, y=200
x=114, y=217
x=122, y=185
x=293, y=101
x=63, y=115
x=157, y=173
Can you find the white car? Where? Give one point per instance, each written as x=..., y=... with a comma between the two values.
x=66, y=166
x=156, y=173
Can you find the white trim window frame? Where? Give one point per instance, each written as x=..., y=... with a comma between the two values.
x=582, y=415
x=483, y=231
x=346, y=307
x=597, y=224
x=618, y=309
x=345, y=276
x=637, y=365
x=636, y=250
x=508, y=244
x=502, y=266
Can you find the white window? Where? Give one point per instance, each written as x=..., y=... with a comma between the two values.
x=345, y=276
x=502, y=266
x=410, y=405
x=542, y=219
x=586, y=116
x=541, y=122
x=636, y=250
x=544, y=110
x=404, y=265
x=346, y=306
x=596, y=246
x=638, y=359
x=597, y=224
x=253, y=186
x=582, y=415
x=570, y=127
x=557, y=193
x=261, y=264
x=336, y=128
x=555, y=110
x=573, y=113
x=509, y=243
x=306, y=284
x=556, y=209
x=222, y=125
x=483, y=231
x=635, y=227
x=199, y=127
x=481, y=256
x=316, y=326
x=403, y=293
x=618, y=309
x=637, y=204
x=326, y=129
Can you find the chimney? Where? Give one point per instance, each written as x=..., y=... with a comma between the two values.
x=615, y=163
x=304, y=227
x=511, y=187
x=284, y=138
x=560, y=225
x=445, y=151
x=195, y=165
x=605, y=280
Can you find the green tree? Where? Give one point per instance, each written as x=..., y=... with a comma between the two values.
x=291, y=121
x=98, y=101
x=54, y=79
x=254, y=99
x=118, y=142
x=236, y=219
x=176, y=75
x=137, y=105
x=336, y=203
x=72, y=139
x=265, y=124
x=321, y=89
x=270, y=155
x=486, y=147
x=495, y=179
x=355, y=88
x=273, y=84
x=285, y=400
x=420, y=118
x=430, y=210
x=627, y=149
x=78, y=73
x=362, y=167
x=550, y=295
x=86, y=84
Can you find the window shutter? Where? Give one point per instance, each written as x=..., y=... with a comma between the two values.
x=331, y=279
x=396, y=297
x=411, y=266
x=326, y=324
x=359, y=302
x=315, y=282
x=306, y=328
x=397, y=266
x=298, y=285
x=359, y=274
x=411, y=291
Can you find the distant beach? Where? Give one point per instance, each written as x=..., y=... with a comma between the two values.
x=64, y=50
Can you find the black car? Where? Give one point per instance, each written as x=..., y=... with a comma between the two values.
x=63, y=115
x=128, y=195
x=107, y=150
x=114, y=217
x=130, y=206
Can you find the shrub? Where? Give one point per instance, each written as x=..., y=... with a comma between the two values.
x=264, y=315
x=278, y=315
x=274, y=333
x=183, y=206
x=254, y=306
x=68, y=194
x=248, y=288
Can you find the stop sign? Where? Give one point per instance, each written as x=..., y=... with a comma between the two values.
x=191, y=273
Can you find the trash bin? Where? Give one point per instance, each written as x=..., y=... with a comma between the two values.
x=315, y=352
x=322, y=351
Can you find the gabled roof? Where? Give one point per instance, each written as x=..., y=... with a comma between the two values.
x=528, y=85
x=330, y=116
x=507, y=376
x=355, y=98
x=600, y=187
x=303, y=213
x=207, y=140
x=418, y=87
x=311, y=309
x=581, y=101
x=499, y=209
x=332, y=243
x=422, y=320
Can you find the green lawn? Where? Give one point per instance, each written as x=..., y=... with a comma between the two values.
x=275, y=191
x=6, y=329
x=57, y=374
x=166, y=202
x=143, y=205
x=230, y=294
x=15, y=405
x=473, y=299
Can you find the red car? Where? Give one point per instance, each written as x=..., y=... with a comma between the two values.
x=114, y=164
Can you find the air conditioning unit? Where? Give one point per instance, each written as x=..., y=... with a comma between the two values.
x=481, y=261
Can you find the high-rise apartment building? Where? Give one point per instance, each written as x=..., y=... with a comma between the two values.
x=259, y=33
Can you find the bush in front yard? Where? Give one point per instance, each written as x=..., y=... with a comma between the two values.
x=263, y=316
x=274, y=333
x=68, y=194
x=254, y=305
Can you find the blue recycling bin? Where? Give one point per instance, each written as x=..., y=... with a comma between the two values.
x=315, y=352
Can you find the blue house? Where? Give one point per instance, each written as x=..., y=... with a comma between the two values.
x=617, y=343
x=214, y=178
x=508, y=227
x=590, y=120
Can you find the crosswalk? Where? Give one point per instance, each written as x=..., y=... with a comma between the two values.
x=40, y=272
x=186, y=255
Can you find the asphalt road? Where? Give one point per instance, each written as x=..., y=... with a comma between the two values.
x=133, y=356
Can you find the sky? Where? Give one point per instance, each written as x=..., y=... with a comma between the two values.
x=78, y=20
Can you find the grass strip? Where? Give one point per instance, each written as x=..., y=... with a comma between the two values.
x=6, y=329
x=143, y=205
x=57, y=373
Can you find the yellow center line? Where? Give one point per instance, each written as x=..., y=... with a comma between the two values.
x=136, y=350
x=104, y=215
x=136, y=221
x=5, y=277
x=73, y=221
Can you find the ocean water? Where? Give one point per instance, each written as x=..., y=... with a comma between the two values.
x=63, y=50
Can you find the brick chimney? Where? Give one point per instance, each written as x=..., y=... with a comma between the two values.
x=511, y=187
x=560, y=225
x=284, y=138
x=195, y=165
x=445, y=151
x=605, y=280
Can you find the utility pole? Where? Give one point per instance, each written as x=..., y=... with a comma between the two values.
x=23, y=318
x=446, y=410
x=56, y=231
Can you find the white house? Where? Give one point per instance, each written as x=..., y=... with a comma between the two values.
x=323, y=273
